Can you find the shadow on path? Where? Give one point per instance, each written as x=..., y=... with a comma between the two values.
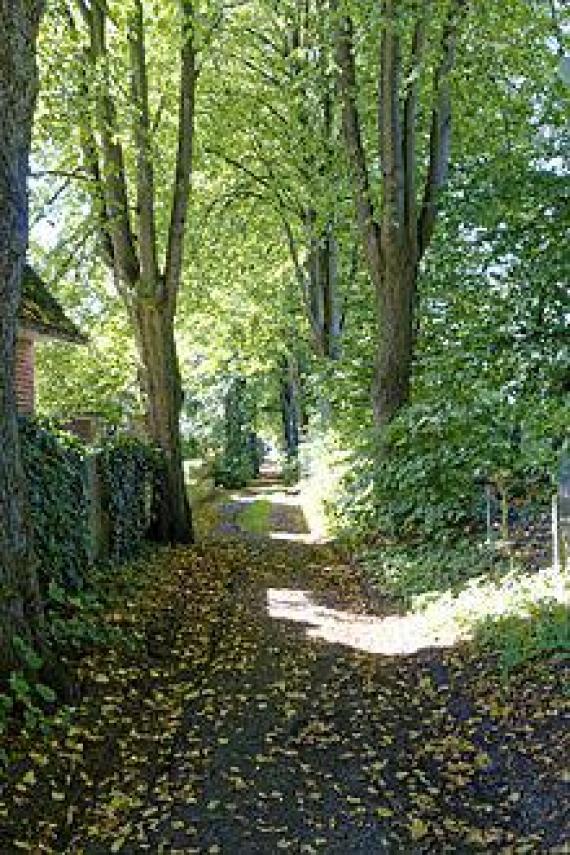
x=285, y=717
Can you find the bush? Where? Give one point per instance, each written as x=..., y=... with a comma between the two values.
x=420, y=480
x=544, y=631
x=129, y=470
x=233, y=472
x=407, y=572
x=291, y=471
x=240, y=457
x=58, y=502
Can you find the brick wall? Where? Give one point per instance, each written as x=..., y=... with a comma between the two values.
x=25, y=375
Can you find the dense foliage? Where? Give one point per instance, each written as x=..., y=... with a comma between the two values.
x=239, y=457
x=277, y=288
x=335, y=231
x=58, y=501
x=129, y=471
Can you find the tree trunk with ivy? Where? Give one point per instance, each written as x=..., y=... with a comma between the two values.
x=20, y=604
x=131, y=244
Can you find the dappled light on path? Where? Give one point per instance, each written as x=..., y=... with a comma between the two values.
x=286, y=519
x=270, y=702
x=440, y=619
x=393, y=635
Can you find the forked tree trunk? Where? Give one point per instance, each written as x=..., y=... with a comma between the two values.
x=131, y=242
x=20, y=604
x=163, y=390
x=395, y=234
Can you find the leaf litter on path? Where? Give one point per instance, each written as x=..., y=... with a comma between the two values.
x=235, y=729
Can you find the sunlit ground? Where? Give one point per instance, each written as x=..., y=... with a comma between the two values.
x=437, y=620
x=290, y=516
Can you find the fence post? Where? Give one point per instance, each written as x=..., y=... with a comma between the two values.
x=555, y=533
x=563, y=521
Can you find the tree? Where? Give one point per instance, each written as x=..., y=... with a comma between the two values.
x=396, y=233
x=119, y=158
x=19, y=593
x=289, y=155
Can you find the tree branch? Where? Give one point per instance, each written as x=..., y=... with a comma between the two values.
x=409, y=128
x=183, y=174
x=259, y=179
x=51, y=200
x=267, y=181
x=299, y=273
x=88, y=143
x=142, y=139
x=389, y=123
x=440, y=134
x=116, y=207
x=353, y=135
x=72, y=175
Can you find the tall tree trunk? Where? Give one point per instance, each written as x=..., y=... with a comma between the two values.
x=20, y=604
x=324, y=307
x=290, y=406
x=131, y=241
x=163, y=390
x=395, y=296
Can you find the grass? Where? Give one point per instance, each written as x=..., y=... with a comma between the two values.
x=255, y=517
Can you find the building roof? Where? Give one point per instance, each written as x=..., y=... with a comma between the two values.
x=41, y=313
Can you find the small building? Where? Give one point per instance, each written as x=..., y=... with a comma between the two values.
x=40, y=317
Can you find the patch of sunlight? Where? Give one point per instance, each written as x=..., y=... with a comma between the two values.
x=275, y=501
x=395, y=635
x=198, y=479
x=325, y=463
x=436, y=620
x=516, y=594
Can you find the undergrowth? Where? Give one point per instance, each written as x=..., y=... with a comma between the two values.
x=511, y=612
x=96, y=618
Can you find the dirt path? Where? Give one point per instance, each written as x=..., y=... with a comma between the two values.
x=247, y=731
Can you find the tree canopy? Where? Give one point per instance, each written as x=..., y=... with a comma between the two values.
x=372, y=185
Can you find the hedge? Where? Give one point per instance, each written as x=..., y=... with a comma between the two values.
x=66, y=493
x=128, y=470
x=58, y=502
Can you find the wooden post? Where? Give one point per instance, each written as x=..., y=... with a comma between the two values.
x=564, y=514
x=489, y=496
x=555, y=534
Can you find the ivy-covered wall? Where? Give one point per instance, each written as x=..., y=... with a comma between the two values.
x=127, y=469
x=85, y=503
x=58, y=502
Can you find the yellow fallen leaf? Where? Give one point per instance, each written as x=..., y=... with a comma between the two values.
x=418, y=829
x=384, y=812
